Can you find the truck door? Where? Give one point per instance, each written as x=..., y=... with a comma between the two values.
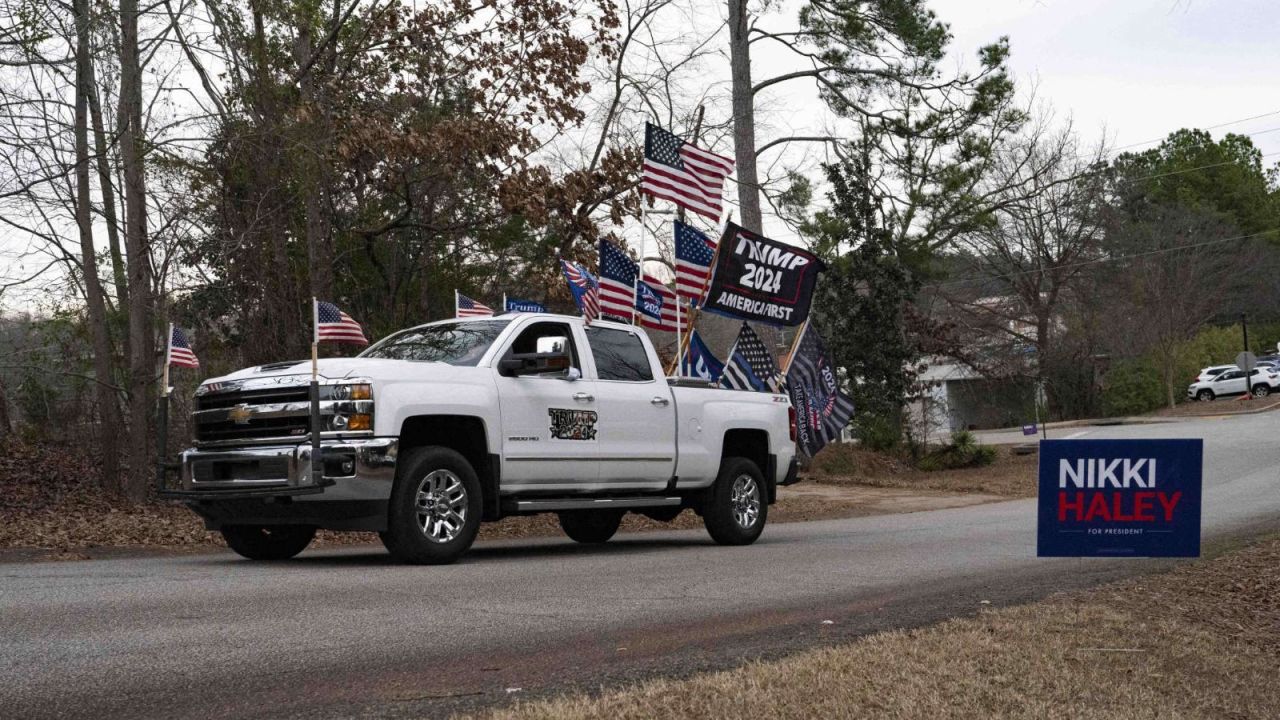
x=637, y=447
x=549, y=422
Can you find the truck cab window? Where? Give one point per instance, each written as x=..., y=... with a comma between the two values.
x=546, y=337
x=461, y=343
x=619, y=355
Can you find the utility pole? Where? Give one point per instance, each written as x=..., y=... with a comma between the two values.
x=1248, y=371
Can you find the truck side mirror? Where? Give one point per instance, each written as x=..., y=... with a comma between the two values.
x=518, y=364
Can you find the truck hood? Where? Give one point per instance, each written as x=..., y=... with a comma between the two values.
x=376, y=369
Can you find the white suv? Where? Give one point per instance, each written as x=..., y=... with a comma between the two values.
x=1212, y=372
x=1263, y=381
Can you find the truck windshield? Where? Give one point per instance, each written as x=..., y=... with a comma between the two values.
x=452, y=343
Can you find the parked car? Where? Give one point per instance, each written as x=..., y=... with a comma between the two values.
x=1263, y=381
x=1212, y=372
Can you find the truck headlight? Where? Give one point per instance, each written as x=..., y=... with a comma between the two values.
x=343, y=422
x=352, y=391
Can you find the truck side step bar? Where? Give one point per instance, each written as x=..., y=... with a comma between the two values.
x=611, y=503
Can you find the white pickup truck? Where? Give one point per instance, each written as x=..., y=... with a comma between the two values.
x=439, y=427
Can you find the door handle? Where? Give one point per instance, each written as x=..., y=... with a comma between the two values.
x=660, y=401
x=583, y=396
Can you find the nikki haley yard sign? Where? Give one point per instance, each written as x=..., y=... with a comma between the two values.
x=1120, y=498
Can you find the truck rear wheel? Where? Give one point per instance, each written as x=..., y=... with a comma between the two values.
x=268, y=542
x=435, y=507
x=590, y=526
x=735, y=508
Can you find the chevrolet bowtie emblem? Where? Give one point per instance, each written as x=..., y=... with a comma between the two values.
x=240, y=414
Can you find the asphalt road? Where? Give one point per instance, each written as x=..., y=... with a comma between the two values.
x=346, y=633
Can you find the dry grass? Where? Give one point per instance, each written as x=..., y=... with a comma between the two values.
x=1010, y=475
x=1199, y=642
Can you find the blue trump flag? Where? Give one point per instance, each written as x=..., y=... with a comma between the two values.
x=699, y=362
x=529, y=306
x=1120, y=498
x=648, y=302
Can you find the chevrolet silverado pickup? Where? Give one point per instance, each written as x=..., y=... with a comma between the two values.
x=434, y=429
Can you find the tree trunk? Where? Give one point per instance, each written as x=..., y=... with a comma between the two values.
x=101, y=149
x=141, y=341
x=108, y=411
x=315, y=146
x=744, y=120
x=6, y=423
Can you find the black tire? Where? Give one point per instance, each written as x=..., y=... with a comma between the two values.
x=726, y=518
x=1261, y=390
x=1204, y=395
x=590, y=526
x=268, y=542
x=442, y=525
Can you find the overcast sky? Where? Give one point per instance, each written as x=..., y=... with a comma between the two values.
x=1138, y=68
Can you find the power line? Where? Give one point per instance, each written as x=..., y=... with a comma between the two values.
x=1097, y=261
x=1211, y=127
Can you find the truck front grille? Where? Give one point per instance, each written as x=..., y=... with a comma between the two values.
x=253, y=397
x=255, y=429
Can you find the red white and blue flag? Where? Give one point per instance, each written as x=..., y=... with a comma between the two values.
x=464, y=306
x=585, y=289
x=683, y=173
x=618, y=274
x=179, y=352
x=333, y=324
x=694, y=253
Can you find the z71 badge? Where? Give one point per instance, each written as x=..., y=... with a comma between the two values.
x=572, y=424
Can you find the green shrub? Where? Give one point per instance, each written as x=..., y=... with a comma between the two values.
x=1132, y=387
x=878, y=433
x=963, y=452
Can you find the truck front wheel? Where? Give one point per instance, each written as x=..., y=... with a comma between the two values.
x=268, y=542
x=590, y=526
x=734, y=509
x=435, y=507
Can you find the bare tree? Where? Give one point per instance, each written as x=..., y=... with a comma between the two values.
x=1175, y=269
x=108, y=411
x=1035, y=255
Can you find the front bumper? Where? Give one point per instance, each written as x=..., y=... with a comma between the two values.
x=361, y=469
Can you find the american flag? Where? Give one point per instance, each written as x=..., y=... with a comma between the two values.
x=694, y=252
x=180, y=353
x=667, y=321
x=750, y=366
x=333, y=324
x=617, y=282
x=464, y=306
x=683, y=173
x=585, y=289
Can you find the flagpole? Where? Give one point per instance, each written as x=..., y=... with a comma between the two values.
x=317, y=461
x=635, y=288
x=791, y=354
x=168, y=355
x=162, y=414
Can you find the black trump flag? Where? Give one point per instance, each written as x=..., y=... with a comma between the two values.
x=762, y=280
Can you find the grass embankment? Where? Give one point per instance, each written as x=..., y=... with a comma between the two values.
x=1008, y=475
x=1202, y=641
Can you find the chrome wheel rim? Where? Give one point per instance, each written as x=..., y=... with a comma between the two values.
x=441, y=505
x=744, y=498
